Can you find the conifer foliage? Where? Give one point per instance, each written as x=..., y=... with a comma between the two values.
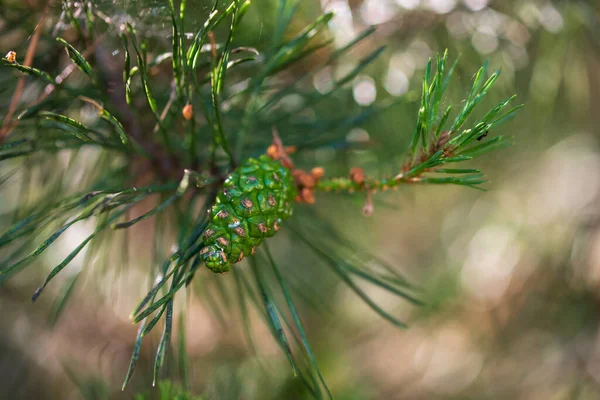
x=209, y=146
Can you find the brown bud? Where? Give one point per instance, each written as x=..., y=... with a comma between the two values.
x=303, y=179
x=308, y=196
x=357, y=175
x=188, y=112
x=317, y=172
x=272, y=152
x=290, y=149
x=308, y=181
x=11, y=56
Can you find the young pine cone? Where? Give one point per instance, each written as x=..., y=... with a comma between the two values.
x=255, y=199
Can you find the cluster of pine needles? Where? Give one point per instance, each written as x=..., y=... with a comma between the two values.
x=179, y=147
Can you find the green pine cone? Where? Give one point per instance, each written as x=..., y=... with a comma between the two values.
x=255, y=199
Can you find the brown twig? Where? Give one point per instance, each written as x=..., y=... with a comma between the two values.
x=8, y=124
x=281, y=153
x=213, y=44
x=64, y=74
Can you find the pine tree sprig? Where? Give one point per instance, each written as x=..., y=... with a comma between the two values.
x=218, y=110
x=431, y=147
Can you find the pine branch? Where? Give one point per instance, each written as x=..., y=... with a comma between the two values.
x=431, y=146
x=202, y=126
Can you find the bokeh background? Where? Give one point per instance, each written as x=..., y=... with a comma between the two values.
x=510, y=277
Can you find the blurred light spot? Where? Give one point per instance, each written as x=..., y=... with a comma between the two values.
x=456, y=25
x=408, y=4
x=375, y=12
x=476, y=5
x=291, y=102
x=420, y=52
x=493, y=254
x=364, y=90
x=529, y=14
x=491, y=22
x=357, y=135
x=450, y=361
x=568, y=180
x=115, y=52
x=551, y=19
x=396, y=82
x=323, y=81
x=88, y=114
x=341, y=24
x=484, y=43
x=404, y=62
x=80, y=165
x=239, y=86
x=442, y=6
x=517, y=33
x=69, y=240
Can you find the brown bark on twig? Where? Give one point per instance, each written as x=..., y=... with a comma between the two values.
x=8, y=124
